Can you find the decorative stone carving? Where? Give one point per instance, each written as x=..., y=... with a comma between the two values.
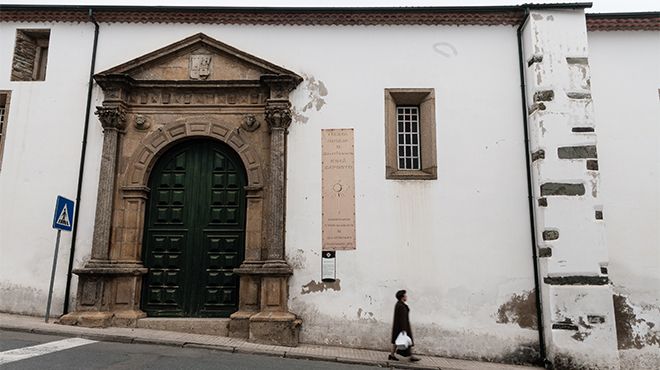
x=200, y=66
x=141, y=122
x=250, y=123
x=112, y=118
x=278, y=116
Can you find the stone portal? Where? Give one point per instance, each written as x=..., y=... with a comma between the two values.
x=197, y=88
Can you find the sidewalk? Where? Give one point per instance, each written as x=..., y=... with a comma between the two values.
x=303, y=351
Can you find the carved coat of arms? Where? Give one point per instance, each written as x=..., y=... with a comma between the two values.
x=200, y=66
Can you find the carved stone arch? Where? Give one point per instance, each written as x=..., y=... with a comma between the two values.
x=156, y=143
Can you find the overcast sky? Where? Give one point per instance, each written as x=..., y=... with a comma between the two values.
x=600, y=6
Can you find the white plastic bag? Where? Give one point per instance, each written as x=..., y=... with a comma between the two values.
x=403, y=341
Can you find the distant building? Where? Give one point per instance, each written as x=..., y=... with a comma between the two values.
x=502, y=164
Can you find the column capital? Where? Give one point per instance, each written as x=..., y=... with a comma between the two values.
x=112, y=118
x=278, y=115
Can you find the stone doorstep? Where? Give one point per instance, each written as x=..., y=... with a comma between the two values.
x=128, y=335
x=206, y=326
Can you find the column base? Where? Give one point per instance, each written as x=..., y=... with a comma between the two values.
x=94, y=319
x=275, y=328
x=90, y=319
x=239, y=324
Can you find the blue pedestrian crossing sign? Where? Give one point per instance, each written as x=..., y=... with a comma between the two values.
x=63, y=218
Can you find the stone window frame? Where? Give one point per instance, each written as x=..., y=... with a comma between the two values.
x=4, y=113
x=41, y=38
x=424, y=98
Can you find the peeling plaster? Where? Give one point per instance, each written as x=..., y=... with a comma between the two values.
x=594, y=184
x=315, y=91
x=364, y=315
x=314, y=287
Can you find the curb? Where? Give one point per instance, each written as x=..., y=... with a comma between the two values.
x=66, y=331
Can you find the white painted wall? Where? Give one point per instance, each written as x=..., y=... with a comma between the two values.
x=459, y=244
x=625, y=68
x=41, y=160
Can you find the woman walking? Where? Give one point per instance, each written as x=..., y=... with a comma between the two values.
x=401, y=323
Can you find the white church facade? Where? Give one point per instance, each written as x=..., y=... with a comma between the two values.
x=501, y=164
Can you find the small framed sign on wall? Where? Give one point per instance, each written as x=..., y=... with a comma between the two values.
x=328, y=266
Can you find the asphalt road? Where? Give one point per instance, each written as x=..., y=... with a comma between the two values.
x=17, y=351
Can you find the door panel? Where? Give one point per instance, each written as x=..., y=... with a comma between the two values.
x=195, y=232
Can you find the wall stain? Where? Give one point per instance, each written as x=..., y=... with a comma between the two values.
x=446, y=49
x=519, y=309
x=631, y=331
x=314, y=287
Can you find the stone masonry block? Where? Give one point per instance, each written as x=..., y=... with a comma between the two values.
x=562, y=189
x=550, y=234
x=577, y=152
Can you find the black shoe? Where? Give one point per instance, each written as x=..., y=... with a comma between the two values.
x=414, y=359
x=392, y=358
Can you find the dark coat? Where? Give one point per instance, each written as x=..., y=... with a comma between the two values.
x=401, y=321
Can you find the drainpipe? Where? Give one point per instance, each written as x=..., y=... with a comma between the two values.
x=530, y=196
x=81, y=170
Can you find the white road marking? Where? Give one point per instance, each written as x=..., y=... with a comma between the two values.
x=41, y=349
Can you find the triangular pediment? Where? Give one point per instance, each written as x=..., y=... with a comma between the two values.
x=198, y=57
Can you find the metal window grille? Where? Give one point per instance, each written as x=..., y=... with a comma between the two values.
x=407, y=133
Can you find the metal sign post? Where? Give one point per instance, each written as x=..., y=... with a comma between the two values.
x=63, y=220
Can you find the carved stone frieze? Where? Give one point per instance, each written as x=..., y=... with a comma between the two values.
x=281, y=85
x=112, y=118
x=196, y=97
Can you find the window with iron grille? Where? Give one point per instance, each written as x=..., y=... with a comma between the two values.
x=410, y=152
x=408, y=137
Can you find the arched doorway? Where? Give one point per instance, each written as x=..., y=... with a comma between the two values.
x=194, y=232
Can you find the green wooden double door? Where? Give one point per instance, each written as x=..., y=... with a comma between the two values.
x=194, y=232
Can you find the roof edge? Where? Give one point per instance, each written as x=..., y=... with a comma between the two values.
x=630, y=21
x=411, y=9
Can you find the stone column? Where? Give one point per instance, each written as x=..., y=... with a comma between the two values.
x=576, y=299
x=108, y=290
x=278, y=116
x=113, y=120
x=274, y=324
